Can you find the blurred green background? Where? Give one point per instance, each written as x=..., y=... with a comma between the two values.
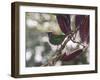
x=38, y=47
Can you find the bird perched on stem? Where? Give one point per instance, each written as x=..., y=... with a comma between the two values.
x=55, y=39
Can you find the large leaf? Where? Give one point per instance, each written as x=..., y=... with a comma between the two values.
x=55, y=39
x=78, y=20
x=71, y=55
x=82, y=22
x=64, y=23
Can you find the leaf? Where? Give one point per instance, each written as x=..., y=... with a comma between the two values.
x=55, y=39
x=72, y=55
x=82, y=21
x=64, y=23
x=78, y=20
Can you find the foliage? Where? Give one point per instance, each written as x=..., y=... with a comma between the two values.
x=48, y=39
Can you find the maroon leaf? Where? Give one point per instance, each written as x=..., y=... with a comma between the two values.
x=82, y=21
x=64, y=23
x=78, y=20
x=72, y=55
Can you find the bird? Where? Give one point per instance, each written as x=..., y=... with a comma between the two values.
x=55, y=39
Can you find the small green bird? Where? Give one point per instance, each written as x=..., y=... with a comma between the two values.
x=55, y=39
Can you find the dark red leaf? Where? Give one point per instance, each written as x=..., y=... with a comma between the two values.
x=82, y=21
x=72, y=55
x=78, y=20
x=64, y=22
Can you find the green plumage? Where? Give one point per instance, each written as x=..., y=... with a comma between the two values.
x=55, y=39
